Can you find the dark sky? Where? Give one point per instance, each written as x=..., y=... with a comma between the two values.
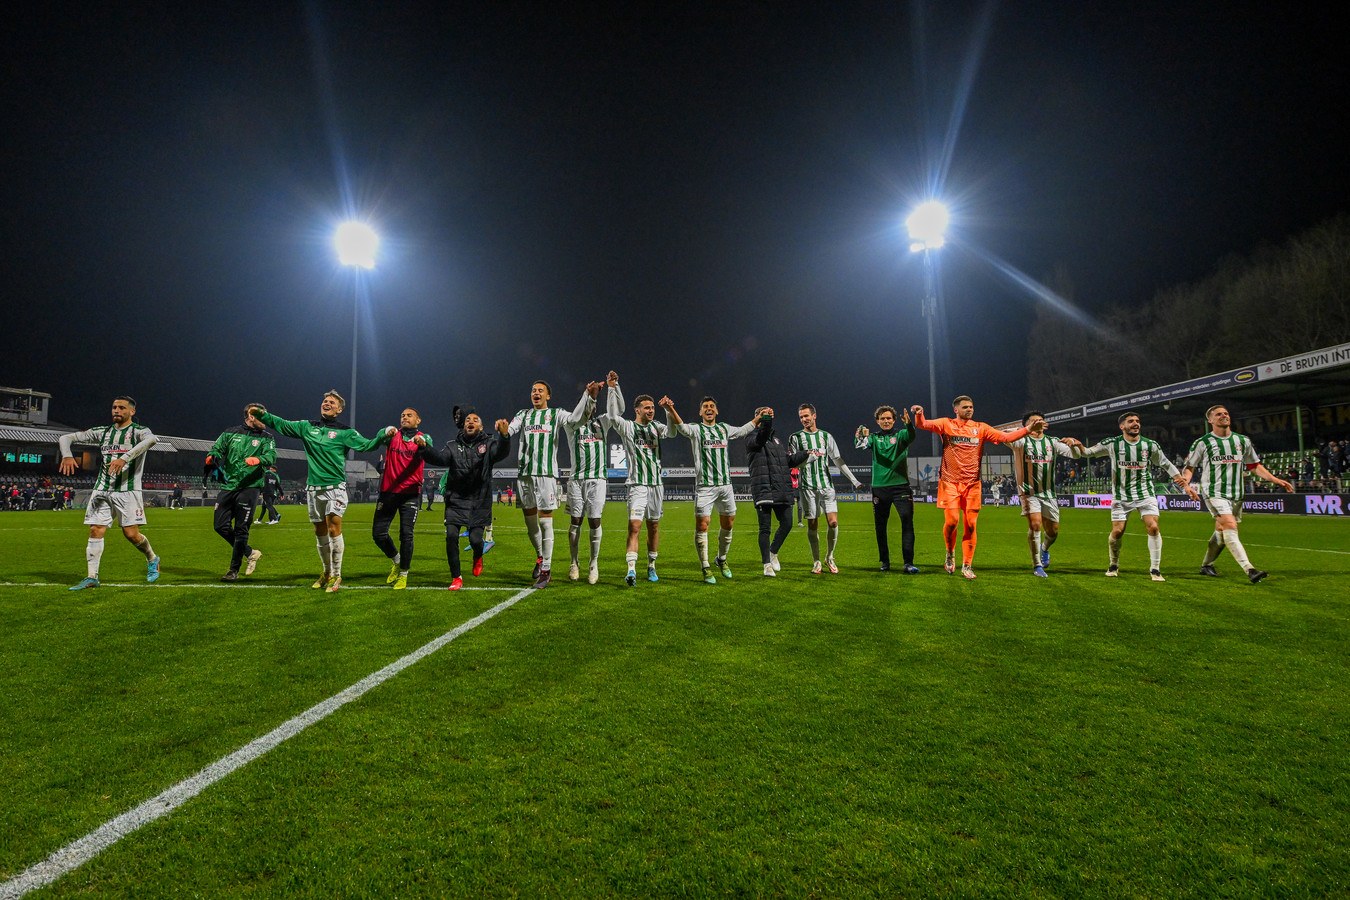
x=707, y=200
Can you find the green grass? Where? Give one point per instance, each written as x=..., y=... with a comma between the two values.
x=864, y=735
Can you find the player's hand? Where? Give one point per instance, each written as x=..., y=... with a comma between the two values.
x=390, y=431
x=862, y=432
x=116, y=466
x=67, y=466
x=503, y=427
x=1192, y=492
x=593, y=388
x=252, y=461
x=256, y=412
x=420, y=440
x=666, y=403
x=1289, y=488
x=612, y=379
x=917, y=410
x=1036, y=426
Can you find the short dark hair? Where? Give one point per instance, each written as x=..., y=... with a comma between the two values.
x=882, y=409
x=1027, y=417
x=810, y=406
x=642, y=398
x=546, y=385
x=959, y=399
x=1125, y=415
x=131, y=401
x=707, y=400
x=250, y=407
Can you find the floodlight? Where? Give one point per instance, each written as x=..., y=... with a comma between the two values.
x=926, y=225
x=356, y=244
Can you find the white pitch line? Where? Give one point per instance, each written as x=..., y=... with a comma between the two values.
x=236, y=586
x=77, y=853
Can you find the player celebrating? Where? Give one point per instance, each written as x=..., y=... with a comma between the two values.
x=1132, y=489
x=587, y=487
x=890, y=482
x=1221, y=457
x=326, y=443
x=117, y=489
x=959, y=489
x=242, y=454
x=646, y=495
x=539, y=428
x=815, y=490
x=401, y=493
x=712, y=471
x=1034, y=461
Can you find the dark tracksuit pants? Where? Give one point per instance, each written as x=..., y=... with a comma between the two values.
x=234, y=515
x=766, y=513
x=406, y=506
x=902, y=498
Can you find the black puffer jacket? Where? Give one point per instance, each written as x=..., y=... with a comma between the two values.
x=468, y=485
x=771, y=467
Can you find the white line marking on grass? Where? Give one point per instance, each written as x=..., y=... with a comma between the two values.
x=77, y=853
x=236, y=586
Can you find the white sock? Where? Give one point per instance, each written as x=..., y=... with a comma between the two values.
x=1230, y=540
x=723, y=543
x=337, y=545
x=396, y=557
x=93, y=555
x=546, y=541
x=596, y=533
x=144, y=547
x=631, y=556
x=574, y=542
x=701, y=545
x=1155, y=551
x=532, y=529
x=487, y=535
x=813, y=538
x=1113, y=550
x=831, y=539
x=1036, y=548
x=1214, y=549
x=325, y=553
x=651, y=558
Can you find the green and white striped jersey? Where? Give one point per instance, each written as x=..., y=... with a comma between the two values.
x=1130, y=460
x=815, y=472
x=1034, y=462
x=1222, y=463
x=642, y=446
x=538, y=429
x=129, y=443
x=710, y=442
x=586, y=442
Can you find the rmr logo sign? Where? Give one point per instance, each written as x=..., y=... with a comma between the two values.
x=1326, y=505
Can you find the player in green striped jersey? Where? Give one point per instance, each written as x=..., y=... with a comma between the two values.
x=816, y=490
x=1034, y=462
x=1223, y=458
x=587, y=487
x=540, y=427
x=642, y=448
x=117, y=488
x=1132, y=489
x=712, y=481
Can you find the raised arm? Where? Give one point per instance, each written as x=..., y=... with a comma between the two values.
x=832, y=450
x=742, y=430
x=585, y=406
x=614, y=404
x=933, y=425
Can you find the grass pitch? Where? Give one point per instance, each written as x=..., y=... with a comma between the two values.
x=859, y=735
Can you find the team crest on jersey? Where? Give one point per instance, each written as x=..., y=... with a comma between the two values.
x=482, y=448
x=891, y=440
x=332, y=435
x=256, y=442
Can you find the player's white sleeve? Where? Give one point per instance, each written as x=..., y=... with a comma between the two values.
x=1197, y=456
x=832, y=450
x=516, y=423
x=1062, y=448
x=140, y=449
x=741, y=431
x=1097, y=449
x=76, y=437
x=1249, y=456
x=1159, y=459
x=688, y=429
x=614, y=404
x=582, y=412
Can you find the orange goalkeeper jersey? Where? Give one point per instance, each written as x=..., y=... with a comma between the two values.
x=962, y=445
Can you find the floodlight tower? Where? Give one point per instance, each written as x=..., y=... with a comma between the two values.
x=356, y=243
x=926, y=226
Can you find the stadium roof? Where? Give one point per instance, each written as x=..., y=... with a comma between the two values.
x=1263, y=397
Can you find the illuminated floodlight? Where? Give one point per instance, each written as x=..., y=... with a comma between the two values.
x=926, y=225
x=356, y=244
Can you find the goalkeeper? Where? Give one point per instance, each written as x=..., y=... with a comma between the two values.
x=240, y=458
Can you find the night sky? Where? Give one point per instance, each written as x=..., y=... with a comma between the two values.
x=707, y=200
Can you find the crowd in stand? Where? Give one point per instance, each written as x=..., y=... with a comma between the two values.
x=30, y=495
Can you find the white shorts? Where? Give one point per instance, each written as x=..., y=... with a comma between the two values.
x=538, y=492
x=1049, y=509
x=1121, y=509
x=126, y=506
x=719, y=496
x=818, y=500
x=646, y=501
x=586, y=497
x=1218, y=506
x=326, y=501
